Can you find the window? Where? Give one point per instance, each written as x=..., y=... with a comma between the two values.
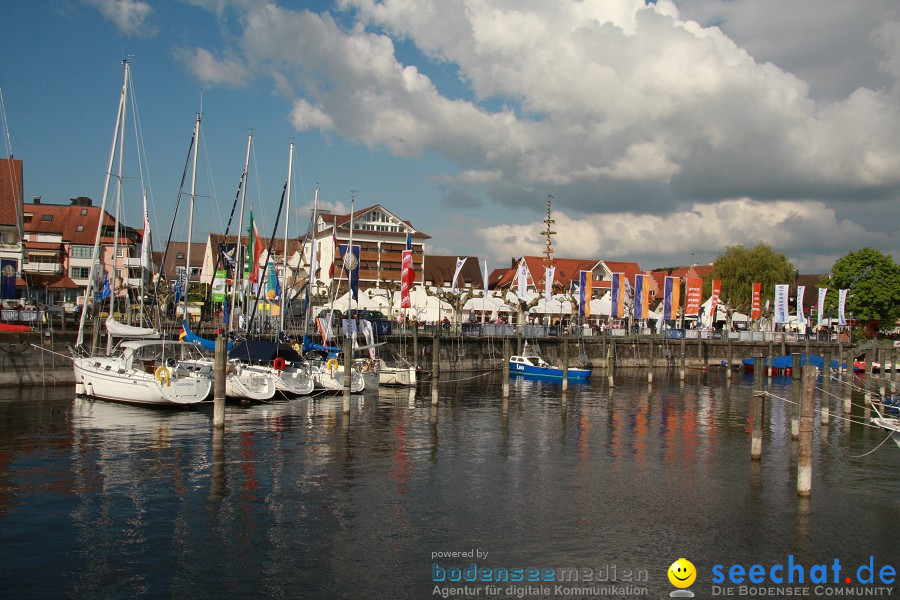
x=80, y=272
x=120, y=252
x=79, y=228
x=81, y=252
x=46, y=217
x=180, y=256
x=83, y=212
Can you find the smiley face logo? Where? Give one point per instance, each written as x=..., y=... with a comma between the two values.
x=682, y=573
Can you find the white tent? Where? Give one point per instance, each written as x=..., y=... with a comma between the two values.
x=721, y=315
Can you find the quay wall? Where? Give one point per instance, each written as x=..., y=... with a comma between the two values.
x=34, y=358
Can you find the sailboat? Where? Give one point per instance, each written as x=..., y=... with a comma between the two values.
x=324, y=361
x=141, y=371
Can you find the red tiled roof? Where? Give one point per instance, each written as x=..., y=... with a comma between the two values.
x=567, y=270
x=65, y=220
x=11, y=185
x=342, y=222
x=50, y=281
x=630, y=269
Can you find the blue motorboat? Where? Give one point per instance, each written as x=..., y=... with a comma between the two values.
x=535, y=366
x=785, y=363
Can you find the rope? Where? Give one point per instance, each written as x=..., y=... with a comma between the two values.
x=467, y=378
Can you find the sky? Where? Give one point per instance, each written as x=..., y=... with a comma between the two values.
x=664, y=131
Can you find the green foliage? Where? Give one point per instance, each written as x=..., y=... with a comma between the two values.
x=739, y=267
x=873, y=279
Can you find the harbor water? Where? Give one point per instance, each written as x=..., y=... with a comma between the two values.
x=402, y=499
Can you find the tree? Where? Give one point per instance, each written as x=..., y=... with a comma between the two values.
x=873, y=279
x=739, y=267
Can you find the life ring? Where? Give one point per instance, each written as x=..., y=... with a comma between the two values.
x=162, y=373
x=278, y=364
x=332, y=365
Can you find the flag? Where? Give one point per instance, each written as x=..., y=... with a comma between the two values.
x=145, y=243
x=523, y=280
x=225, y=311
x=8, y=271
x=408, y=241
x=406, y=277
x=714, y=300
x=485, y=279
x=641, y=297
x=693, y=296
x=107, y=292
x=351, y=266
x=459, y=265
x=585, y=289
x=842, y=303
x=781, y=303
x=273, y=289
x=801, y=318
x=335, y=250
x=218, y=286
x=549, y=274
x=617, y=311
x=254, y=252
x=755, y=300
x=671, y=298
x=820, y=319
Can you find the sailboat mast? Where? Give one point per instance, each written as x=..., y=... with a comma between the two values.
x=95, y=255
x=118, y=217
x=187, y=253
x=350, y=252
x=287, y=220
x=313, y=259
x=238, y=253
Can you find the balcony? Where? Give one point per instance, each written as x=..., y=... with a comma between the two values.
x=42, y=268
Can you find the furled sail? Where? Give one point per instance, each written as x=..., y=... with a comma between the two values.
x=117, y=329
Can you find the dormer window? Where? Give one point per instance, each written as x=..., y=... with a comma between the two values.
x=46, y=217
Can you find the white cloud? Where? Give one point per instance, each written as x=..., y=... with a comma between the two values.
x=609, y=103
x=129, y=16
x=808, y=232
x=213, y=71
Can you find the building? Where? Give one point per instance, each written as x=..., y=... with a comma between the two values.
x=381, y=236
x=11, y=200
x=58, y=252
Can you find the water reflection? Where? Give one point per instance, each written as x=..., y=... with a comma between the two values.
x=295, y=495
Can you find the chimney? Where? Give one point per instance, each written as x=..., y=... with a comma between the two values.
x=37, y=200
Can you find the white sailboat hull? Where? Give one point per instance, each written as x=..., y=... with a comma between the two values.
x=332, y=380
x=402, y=376
x=247, y=382
x=295, y=381
x=108, y=378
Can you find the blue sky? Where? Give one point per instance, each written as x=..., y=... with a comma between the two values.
x=663, y=132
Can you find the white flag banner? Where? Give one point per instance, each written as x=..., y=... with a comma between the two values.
x=781, y=303
x=523, y=280
x=459, y=265
x=549, y=274
x=485, y=279
x=820, y=318
x=842, y=303
x=801, y=318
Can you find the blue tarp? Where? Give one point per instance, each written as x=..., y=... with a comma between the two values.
x=787, y=362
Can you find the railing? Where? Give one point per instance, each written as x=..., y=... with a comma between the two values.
x=21, y=316
x=39, y=267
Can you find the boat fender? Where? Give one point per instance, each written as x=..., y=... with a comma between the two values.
x=332, y=365
x=278, y=364
x=162, y=373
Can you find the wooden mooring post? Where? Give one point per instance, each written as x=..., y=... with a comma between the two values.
x=220, y=373
x=847, y=384
x=505, y=367
x=611, y=363
x=650, y=361
x=826, y=387
x=796, y=375
x=729, y=355
x=682, y=360
x=565, y=360
x=758, y=397
x=436, y=356
x=804, y=453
